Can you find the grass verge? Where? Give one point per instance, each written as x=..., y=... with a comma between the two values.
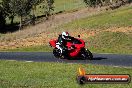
x=40, y=48
x=118, y=18
x=53, y=75
x=111, y=42
x=67, y=5
x=104, y=42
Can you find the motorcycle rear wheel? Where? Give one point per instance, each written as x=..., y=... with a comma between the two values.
x=57, y=53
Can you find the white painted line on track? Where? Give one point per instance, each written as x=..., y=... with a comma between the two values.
x=121, y=67
x=29, y=61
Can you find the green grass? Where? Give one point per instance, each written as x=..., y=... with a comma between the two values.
x=67, y=5
x=40, y=48
x=119, y=17
x=111, y=42
x=15, y=74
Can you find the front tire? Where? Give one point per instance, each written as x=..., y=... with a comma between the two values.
x=89, y=54
x=86, y=54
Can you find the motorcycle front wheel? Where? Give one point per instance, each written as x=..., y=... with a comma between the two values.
x=86, y=54
x=89, y=54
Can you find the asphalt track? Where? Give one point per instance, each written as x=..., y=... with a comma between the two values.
x=101, y=59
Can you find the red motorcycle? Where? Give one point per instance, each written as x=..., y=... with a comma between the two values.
x=75, y=49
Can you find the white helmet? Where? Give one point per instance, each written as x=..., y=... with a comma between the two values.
x=64, y=35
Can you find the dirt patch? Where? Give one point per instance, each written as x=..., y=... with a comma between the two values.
x=84, y=33
x=126, y=30
x=44, y=38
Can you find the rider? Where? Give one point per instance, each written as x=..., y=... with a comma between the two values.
x=62, y=40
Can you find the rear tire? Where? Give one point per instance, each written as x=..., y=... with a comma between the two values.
x=57, y=53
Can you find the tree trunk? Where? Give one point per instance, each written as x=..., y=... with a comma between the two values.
x=2, y=20
x=33, y=16
x=12, y=19
x=111, y=1
x=101, y=3
x=20, y=27
x=34, y=7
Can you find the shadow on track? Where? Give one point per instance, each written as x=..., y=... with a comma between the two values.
x=98, y=58
x=95, y=58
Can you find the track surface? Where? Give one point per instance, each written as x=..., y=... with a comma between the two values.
x=103, y=59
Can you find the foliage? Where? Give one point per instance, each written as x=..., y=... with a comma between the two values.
x=93, y=3
x=22, y=8
x=47, y=6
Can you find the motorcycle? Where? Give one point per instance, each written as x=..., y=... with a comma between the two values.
x=75, y=49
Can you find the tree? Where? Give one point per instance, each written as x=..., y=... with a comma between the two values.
x=21, y=8
x=129, y=1
x=50, y=5
x=87, y=2
x=15, y=7
x=92, y=3
x=34, y=3
x=2, y=16
x=47, y=6
x=9, y=9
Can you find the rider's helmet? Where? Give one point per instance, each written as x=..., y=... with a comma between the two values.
x=65, y=35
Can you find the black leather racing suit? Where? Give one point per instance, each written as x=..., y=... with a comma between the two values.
x=61, y=43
